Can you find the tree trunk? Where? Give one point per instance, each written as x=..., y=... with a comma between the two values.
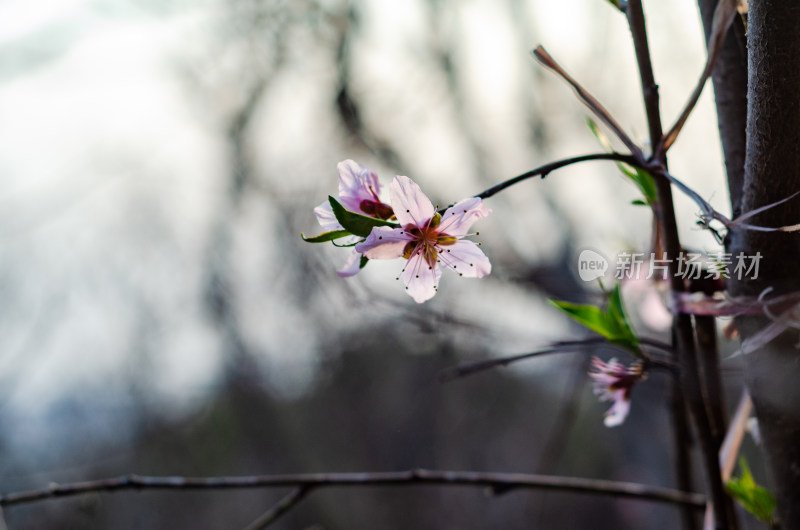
x=772, y=172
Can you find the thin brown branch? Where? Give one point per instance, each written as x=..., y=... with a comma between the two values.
x=708, y=347
x=692, y=388
x=587, y=99
x=471, y=368
x=279, y=508
x=723, y=16
x=543, y=171
x=731, y=446
x=733, y=438
x=713, y=392
x=682, y=326
x=682, y=446
x=709, y=213
x=498, y=482
x=649, y=87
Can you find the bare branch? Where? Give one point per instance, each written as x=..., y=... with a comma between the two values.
x=733, y=439
x=731, y=447
x=280, y=508
x=723, y=16
x=587, y=99
x=708, y=213
x=543, y=171
x=498, y=482
x=682, y=327
x=466, y=369
x=641, y=48
x=751, y=213
x=556, y=347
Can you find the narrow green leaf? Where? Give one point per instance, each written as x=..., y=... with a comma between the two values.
x=601, y=137
x=326, y=236
x=355, y=223
x=616, y=312
x=363, y=262
x=639, y=202
x=646, y=183
x=750, y=495
x=590, y=316
x=611, y=323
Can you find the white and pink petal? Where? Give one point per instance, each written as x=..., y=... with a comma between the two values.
x=384, y=242
x=357, y=183
x=411, y=206
x=457, y=220
x=616, y=415
x=420, y=279
x=351, y=266
x=326, y=218
x=465, y=258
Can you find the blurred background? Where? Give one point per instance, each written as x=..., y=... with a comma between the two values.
x=159, y=313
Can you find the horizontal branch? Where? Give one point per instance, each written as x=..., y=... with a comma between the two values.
x=499, y=482
x=470, y=368
x=708, y=213
x=543, y=171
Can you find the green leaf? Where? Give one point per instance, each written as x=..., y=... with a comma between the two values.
x=616, y=311
x=639, y=202
x=363, y=262
x=750, y=495
x=643, y=180
x=602, y=138
x=326, y=236
x=348, y=245
x=357, y=224
x=610, y=323
x=590, y=316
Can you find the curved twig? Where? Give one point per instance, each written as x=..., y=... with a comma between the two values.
x=657, y=170
x=543, y=171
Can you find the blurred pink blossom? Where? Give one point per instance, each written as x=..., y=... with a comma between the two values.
x=613, y=381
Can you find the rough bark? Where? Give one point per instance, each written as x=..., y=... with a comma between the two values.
x=772, y=172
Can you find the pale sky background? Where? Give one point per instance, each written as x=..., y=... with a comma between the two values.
x=113, y=165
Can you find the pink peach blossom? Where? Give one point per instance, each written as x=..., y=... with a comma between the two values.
x=359, y=191
x=427, y=239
